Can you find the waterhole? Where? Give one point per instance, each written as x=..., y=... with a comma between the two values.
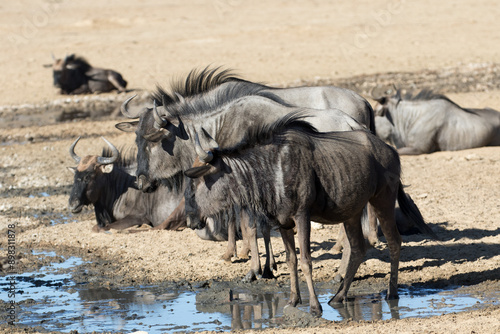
x=50, y=299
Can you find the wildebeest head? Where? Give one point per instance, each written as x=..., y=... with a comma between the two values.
x=69, y=72
x=57, y=68
x=387, y=99
x=204, y=164
x=86, y=187
x=157, y=140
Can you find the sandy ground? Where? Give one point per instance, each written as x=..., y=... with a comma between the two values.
x=275, y=42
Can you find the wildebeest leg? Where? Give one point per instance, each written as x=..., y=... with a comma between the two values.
x=115, y=82
x=341, y=240
x=304, y=236
x=176, y=220
x=352, y=257
x=270, y=262
x=243, y=254
x=251, y=236
x=346, y=250
x=83, y=89
x=372, y=226
x=291, y=260
x=383, y=206
x=370, y=232
x=409, y=151
x=231, y=241
x=121, y=224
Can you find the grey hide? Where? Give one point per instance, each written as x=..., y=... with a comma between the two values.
x=429, y=122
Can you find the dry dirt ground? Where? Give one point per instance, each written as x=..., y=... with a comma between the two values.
x=281, y=43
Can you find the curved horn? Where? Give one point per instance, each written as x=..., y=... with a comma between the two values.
x=124, y=108
x=180, y=97
x=213, y=144
x=377, y=93
x=53, y=57
x=160, y=122
x=72, y=151
x=202, y=154
x=113, y=158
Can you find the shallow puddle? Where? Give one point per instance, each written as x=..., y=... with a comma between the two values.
x=50, y=299
x=56, y=218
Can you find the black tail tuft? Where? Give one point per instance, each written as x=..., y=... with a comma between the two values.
x=410, y=210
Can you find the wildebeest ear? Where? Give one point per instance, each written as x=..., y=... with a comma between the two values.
x=197, y=172
x=382, y=100
x=127, y=126
x=47, y=65
x=181, y=131
x=72, y=169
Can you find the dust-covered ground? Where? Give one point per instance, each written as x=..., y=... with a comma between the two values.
x=414, y=44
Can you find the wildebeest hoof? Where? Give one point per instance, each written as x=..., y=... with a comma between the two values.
x=226, y=257
x=97, y=229
x=249, y=277
x=338, y=278
x=335, y=300
x=268, y=274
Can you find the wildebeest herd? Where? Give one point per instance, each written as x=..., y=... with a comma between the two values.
x=230, y=157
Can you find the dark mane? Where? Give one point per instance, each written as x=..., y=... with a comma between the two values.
x=81, y=62
x=426, y=95
x=287, y=129
x=196, y=82
x=199, y=85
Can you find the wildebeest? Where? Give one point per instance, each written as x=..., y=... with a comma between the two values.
x=428, y=122
x=74, y=75
x=108, y=183
x=292, y=174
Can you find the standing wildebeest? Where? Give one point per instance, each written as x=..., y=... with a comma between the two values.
x=428, y=122
x=292, y=174
x=74, y=75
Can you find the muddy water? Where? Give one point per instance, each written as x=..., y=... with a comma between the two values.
x=52, y=300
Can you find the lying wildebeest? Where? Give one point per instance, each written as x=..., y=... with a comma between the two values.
x=74, y=75
x=163, y=141
x=108, y=183
x=292, y=174
x=428, y=122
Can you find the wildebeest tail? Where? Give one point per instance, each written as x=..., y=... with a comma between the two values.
x=411, y=211
x=372, y=118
